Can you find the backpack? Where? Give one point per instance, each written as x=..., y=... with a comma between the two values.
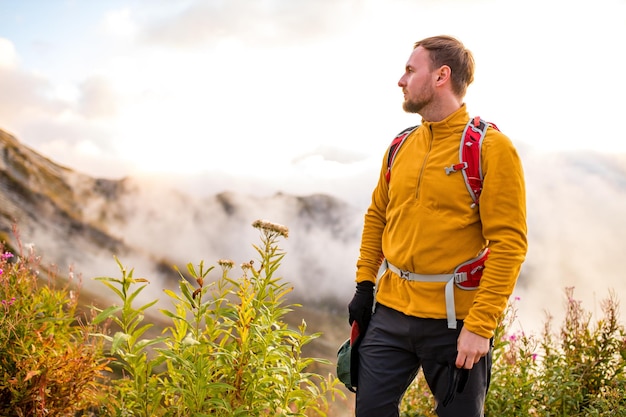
x=469, y=155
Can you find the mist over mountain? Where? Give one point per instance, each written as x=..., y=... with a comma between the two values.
x=77, y=221
x=576, y=206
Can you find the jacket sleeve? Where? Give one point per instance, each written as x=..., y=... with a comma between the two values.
x=371, y=253
x=503, y=216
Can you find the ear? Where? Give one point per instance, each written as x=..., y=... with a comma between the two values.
x=442, y=75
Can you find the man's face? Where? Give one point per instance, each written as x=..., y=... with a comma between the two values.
x=418, y=81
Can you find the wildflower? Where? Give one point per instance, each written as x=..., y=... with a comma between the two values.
x=267, y=226
x=225, y=263
x=246, y=265
x=1, y=271
x=189, y=340
x=8, y=303
x=6, y=255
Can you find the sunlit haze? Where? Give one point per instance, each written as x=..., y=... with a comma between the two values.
x=292, y=91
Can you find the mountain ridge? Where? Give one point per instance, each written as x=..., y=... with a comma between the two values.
x=152, y=227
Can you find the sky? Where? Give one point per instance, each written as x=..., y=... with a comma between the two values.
x=300, y=94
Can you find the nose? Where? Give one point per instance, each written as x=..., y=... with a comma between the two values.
x=401, y=81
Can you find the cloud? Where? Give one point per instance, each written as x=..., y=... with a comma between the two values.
x=78, y=145
x=252, y=22
x=310, y=85
x=119, y=23
x=26, y=97
x=97, y=98
x=332, y=154
x=60, y=122
x=8, y=56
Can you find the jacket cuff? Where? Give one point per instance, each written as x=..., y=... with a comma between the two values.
x=482, y=327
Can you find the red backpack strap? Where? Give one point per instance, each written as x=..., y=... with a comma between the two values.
x=395, y=147
x=469, y=154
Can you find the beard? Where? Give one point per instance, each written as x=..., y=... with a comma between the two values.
x=412, y=106
x=417, y=104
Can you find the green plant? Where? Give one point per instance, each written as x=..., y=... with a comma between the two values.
x=575, y=372
x=49, y=363
x=137, y=393
x=514, y=370
x=582, y=367
x=418, y=400
x=228, y=351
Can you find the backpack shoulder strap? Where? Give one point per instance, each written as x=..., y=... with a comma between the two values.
x=395, y=146
x=470, y=156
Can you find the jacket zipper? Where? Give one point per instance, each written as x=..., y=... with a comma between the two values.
x=421, y=173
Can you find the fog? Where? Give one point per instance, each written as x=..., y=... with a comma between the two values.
x=576, y=225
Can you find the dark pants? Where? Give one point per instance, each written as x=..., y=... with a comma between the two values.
x=394, y=348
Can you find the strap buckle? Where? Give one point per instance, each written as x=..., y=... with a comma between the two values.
x=456, y=167
x=460, y=277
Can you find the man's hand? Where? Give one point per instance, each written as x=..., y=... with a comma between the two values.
x=471, y=347
x=360, y=308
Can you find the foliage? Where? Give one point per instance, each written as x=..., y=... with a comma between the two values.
x=227, y=351
x=418, y=401
x=577, y=371
x=49, y=363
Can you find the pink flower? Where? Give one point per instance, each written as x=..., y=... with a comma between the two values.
x=9, y=302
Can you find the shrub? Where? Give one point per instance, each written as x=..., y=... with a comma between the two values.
x=577, y=371
x=49, y=363
x=227, y=351
x=418, y=400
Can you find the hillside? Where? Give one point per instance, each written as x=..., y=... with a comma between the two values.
x=82, y=222
x=576, y=206
x=78, y=224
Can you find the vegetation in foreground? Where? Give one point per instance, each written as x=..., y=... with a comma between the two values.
x=50, y=364
x=228, y=352
x=576, y=371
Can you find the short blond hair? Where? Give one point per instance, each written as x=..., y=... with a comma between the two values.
x=446, y=50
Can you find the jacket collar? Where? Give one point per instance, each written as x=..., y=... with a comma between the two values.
x=452, y=124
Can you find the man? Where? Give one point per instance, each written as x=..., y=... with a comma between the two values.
x=423, y=222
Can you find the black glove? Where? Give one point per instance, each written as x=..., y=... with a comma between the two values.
x=360, y=308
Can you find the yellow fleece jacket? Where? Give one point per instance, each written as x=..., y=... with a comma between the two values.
x=423, y=221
